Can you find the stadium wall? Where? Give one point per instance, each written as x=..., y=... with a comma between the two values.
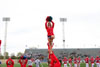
x=66, y=52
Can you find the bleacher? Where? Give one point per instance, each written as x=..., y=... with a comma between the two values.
x=66, y=52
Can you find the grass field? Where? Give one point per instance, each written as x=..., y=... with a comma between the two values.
x=44, y=65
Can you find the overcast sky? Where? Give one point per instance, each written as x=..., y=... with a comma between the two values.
x=27, y=25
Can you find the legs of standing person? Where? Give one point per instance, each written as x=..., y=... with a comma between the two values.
x=50, y=45
x=75, y=65
x=78, y=64
x=70, y=64
x=98, y=65
x=87, y=65
x=50, y=39
x=65, y=65
x=92, y=64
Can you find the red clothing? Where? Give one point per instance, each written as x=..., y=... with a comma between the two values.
x=10, y=63
x=75, y=60
x=0, y=45
x=23, y=62
x=57, y=64
x=29, y=66
x=97, y=59
x=79, y=60
x=32, y=59
x=49, y=46
x=87, y=60
x=70, y=60
x=65, y=60
x=0, y=42
x=49, y=29
x=54, y=61
x=92, y=60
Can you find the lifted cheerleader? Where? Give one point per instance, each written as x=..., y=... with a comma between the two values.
x=49, y=25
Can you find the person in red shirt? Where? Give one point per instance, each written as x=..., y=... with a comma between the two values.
x=87, y=61
x=49, y=46
x=97, y=61
x=75, y=62
x=49, y=25
x=70, y=62
x=54, y=60
x=50, y=63
x=49, y=53
x=23, y=61
x=78, y=60
x=0, y=46
x=50, y=59
x=10, y=63
x=65, y=62
x=0, y=42
x=92, y=61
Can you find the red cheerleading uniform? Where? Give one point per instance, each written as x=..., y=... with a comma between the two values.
x=49, y=46
x=75, y=60
x=29, y=66
x=49, y=29
x=54, y=61
x=70, y=60
x=0, y=42
x=51, y=63
x=92, y=60
x=79, y=60
x=65, y=60
x=0, y=45
x=87, y=60
x=97, y=59
x=10, y=64
x=23, y=63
